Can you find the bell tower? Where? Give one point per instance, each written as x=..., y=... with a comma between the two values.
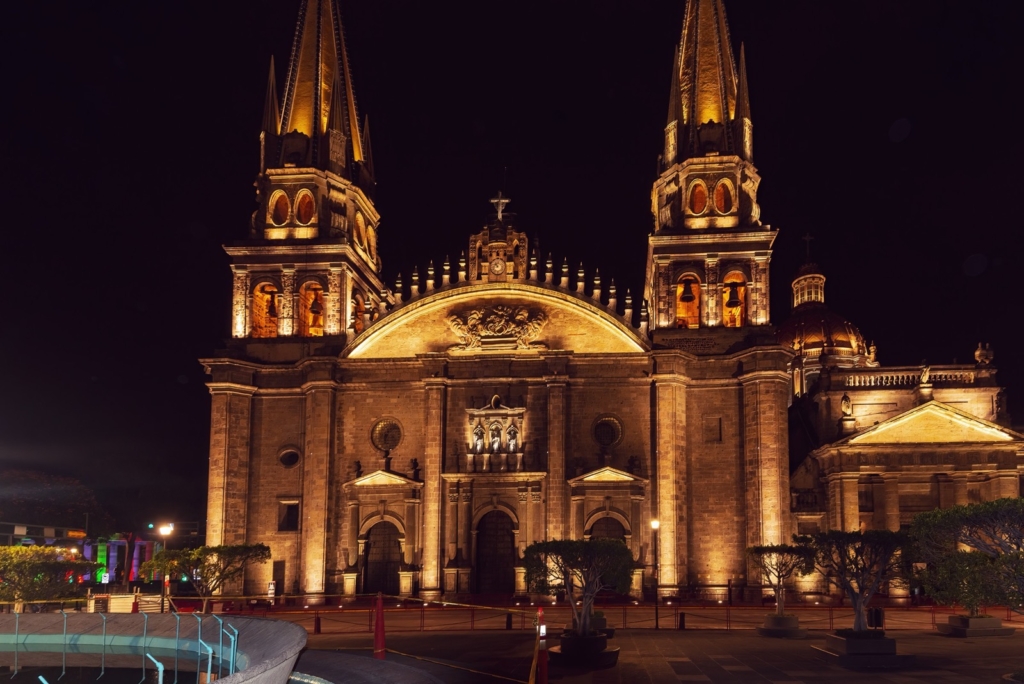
x=708, y=257
x=310, y=267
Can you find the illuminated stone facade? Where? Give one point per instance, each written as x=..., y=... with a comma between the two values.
x=415, y=439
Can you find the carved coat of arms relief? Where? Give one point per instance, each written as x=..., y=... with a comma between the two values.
x=497, y=327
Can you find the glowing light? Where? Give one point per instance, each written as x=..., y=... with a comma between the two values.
x=655, y=524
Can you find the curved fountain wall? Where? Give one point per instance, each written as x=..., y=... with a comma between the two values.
x=238, y=649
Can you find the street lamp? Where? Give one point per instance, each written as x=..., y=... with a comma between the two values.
x=654, y=533
x=165, y=531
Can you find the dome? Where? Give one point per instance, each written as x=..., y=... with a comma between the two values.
x=813, y=330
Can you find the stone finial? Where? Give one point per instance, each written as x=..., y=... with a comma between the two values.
x=628, y=313
x=549, y=269
x=462, y=267
x=580, y=275
x=430, y=275
x=596, y=292
x=446, y=276
x=398, y=289
x=644, y=324
x=382, y=305
x=533, y=265
x=613, y=303
x=564, y=280
x=415, y=284
x=984, y=355
x=367, y=312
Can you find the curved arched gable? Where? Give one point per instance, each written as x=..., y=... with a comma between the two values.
x=502, y=317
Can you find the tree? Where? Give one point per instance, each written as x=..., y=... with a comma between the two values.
x=966, y=578
x=581, y=568
x=994, y=529
x=40, y=573
x=208, y=568
x=779, y=562
x=857, y=563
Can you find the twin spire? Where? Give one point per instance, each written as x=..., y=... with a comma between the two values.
x=709, y=105
x=318, y=94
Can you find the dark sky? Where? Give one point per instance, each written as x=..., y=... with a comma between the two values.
x=130, y=143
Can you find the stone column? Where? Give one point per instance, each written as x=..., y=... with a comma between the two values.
x=334, y=301
x=412, y=528
x=766, y=455
x=556, y=456
x=536, y=516
x=892, y=501
x=451, y=523
x=960, y=488
x=670, y=478
x=577, y=524
x=851, y=502
x=760, y=304
x=433, y=456
x=466, y=526
x=239, y=295
x=316, y=473
x=286, y=319
x=1008, y=484
x=712, y=293
x=230, y=429
x=228, y=493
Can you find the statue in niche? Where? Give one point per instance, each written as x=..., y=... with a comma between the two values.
x=846, y=406
x=495, y=439
x=478, y=440
x=513, y=440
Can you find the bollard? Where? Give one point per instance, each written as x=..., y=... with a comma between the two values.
x=508, y=620
x=682, y=621
x=316, y=622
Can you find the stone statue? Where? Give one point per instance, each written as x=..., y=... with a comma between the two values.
x=872, y=352
x=495, y=439
x=846, y=406
x=478, y=440
x=926, y=375
x=513, y=441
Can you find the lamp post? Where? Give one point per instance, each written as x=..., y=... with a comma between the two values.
x=654, y=533
x=165, y=531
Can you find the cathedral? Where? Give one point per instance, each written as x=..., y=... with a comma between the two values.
x=414, y=438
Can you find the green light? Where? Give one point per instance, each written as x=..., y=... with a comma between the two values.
x=150, y=525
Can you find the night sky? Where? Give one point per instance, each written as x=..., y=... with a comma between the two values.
x=130, y=145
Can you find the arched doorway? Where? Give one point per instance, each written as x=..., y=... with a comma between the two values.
x=607, y=528
x=383, y=559
x=495, y=555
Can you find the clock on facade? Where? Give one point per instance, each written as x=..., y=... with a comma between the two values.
x=498, y=266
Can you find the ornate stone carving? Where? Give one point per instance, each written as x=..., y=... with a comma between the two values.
x=501, y=327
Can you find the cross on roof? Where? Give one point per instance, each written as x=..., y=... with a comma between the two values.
x=499, y=203
x=807, y=242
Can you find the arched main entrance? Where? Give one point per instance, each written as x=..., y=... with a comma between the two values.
x=383, y=559
x=607, y=528
x=495, y=555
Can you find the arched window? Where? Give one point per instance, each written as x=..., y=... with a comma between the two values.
x=734, y=300
x=311, y=309
x=723, y=196
x=305, y=207
x=360, y=230
x=265, y=301
x=698, y=198
x=279, y=208
x=688, y=299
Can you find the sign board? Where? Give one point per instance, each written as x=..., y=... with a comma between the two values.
x=76, y=534
x=105, y=579
x=271, y=590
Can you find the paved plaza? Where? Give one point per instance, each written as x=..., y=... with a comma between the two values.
x=686, y=656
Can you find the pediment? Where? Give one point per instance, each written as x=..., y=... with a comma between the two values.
x=933, y=423
x=383, y=478
x=505, y=318
x=606, y=475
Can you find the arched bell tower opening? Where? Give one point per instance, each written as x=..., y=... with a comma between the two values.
x=688, y=301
